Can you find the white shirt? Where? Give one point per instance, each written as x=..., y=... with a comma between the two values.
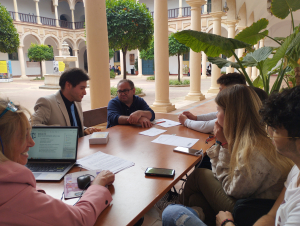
x=204, y=124
x=288, y=213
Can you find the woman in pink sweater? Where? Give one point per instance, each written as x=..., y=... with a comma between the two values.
x=21, y=202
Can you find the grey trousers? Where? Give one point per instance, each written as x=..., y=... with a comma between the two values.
x=204, y=190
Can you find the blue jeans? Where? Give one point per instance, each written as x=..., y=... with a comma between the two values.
x=179, y=215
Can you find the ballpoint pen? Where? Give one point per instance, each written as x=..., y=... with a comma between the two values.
x=159, y=122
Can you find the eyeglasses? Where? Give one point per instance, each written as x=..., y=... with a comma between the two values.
x=10, y=107
x=271, y=135
x=125, y=91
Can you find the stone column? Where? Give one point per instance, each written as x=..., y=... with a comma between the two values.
x=56, y=14
x=76, y=54
x=22, y=62
x=37, y=11
x=161, y=51
x=97, y=42
x=262, y=43
x=73, y=20
x=195, y=58
x=241, y=51
x=205, y=9
x=59, y=51
x=249, y=71
x=180, y=9
x=16, y=11
x=181, y=66
x=203, y=66
x=140, y=65
x=43, y=67
x=231, y=34
x=121, y=63
x=215, y=71
x=254, y=69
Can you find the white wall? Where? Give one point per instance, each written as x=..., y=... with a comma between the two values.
x=79, y=12
x=64, y=8
x=9, y=4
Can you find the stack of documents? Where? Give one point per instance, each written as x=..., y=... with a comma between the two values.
x=175, y=141
x=102, y=161
x=165, y=123
x=152, y=132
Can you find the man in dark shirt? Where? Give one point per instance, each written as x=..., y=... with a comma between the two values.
x=127, y=108
x=64, y=107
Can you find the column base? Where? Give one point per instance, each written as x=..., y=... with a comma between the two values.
x=195, y=97
x=162, y=108
x=139, y=75
x=213, y=90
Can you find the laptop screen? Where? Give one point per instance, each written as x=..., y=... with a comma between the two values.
x=55, y=143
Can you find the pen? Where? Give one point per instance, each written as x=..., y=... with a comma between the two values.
x=159, y=122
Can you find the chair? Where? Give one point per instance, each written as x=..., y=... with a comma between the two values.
x=95, y=117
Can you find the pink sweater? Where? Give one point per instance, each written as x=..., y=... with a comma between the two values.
x=22, y=204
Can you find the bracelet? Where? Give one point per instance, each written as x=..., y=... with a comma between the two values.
x=224, y=144
x=226, y=221
x=219, y=142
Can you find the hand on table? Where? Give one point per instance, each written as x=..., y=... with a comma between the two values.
x=189, y=115
x=134, y=117
x=145, y=122
x=219, y=134
x=221, y=216
x=182, y=118
x=91, y=130
x=105, y=177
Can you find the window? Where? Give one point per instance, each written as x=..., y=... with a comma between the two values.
x=186, y=56
x=117, y=56
x=13, y=56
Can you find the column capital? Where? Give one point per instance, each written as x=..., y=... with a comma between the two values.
x=231, y=22
x=196, y=3
x=217, y=14
x=240, y=28
x=55, y=2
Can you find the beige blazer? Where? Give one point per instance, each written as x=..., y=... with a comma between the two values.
x=51, y=111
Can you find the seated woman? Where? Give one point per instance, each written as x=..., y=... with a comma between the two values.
x=21, y=202
x=244, y=161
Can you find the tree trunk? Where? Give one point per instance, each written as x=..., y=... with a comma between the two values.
x=41, y=69
x=297, y=75
x=124, y=51
x=178, y=67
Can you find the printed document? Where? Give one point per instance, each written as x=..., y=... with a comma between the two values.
x=152, y=132
x=165, y=123
x=102, y=161
x=175, y=141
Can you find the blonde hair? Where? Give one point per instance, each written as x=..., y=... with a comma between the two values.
x=10, y=123
x=244, y=130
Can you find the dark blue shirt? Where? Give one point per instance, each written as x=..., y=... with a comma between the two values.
x=116, y=108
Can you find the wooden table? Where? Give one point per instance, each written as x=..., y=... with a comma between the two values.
x=133, y=193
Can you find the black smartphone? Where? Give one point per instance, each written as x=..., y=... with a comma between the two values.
x=159, y=172
x=188, y=151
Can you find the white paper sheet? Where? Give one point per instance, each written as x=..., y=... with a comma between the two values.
x=175, y=141
x=165, y=123
x=102, y=161
x=152, y=132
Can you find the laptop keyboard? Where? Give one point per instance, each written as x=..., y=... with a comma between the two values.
x=47, y=167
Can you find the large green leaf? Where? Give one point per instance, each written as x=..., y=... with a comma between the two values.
x=252, y=59
x=258, y=82
x=281, y=51
x=281, y=8
x=253, y=34
x=220, y=62
x=212, y=45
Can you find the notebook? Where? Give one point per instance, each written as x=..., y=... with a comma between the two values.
x=54, y=152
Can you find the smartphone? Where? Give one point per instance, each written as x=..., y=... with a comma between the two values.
x=188, y=151
x=159, y=172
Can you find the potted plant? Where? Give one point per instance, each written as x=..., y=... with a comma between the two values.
x=136, y=66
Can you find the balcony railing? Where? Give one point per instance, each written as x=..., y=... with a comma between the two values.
x=79, y=25
x=28, y=18
x=186, y=11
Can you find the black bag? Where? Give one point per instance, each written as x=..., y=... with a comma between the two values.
x=247, y=211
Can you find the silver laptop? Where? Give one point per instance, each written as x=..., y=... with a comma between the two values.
x=54, y=152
